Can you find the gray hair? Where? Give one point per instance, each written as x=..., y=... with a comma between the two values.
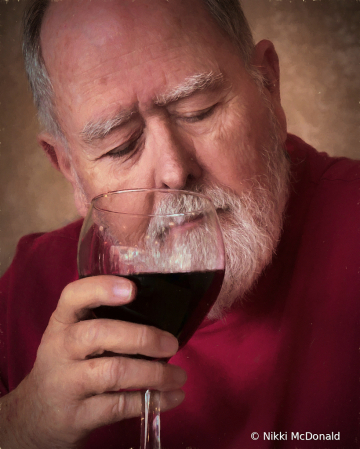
x=227, y=13
x=37, y=74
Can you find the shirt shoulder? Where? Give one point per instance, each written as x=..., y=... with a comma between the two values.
x=48, y=259
x=32, y=243
x=323, y=228
x=319, y=166
x=326, y=188
x=39, y=251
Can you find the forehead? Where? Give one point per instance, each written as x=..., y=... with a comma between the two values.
x=126, y=50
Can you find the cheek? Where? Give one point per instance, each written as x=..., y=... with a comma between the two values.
x=235, y=146
x=105, y=176
x=101, y=179
x=90, y=180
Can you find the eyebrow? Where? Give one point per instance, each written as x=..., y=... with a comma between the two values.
x=191, y=85
x=98, y=130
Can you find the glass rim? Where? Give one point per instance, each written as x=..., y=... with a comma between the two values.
x=210, y=205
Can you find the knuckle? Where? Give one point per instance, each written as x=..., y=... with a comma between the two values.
x=113, y=370
x=84, y=335
x=119, y=407
x=126, y=405
x=90, y=333
x=144, y=337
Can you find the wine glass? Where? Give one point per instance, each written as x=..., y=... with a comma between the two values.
x=169, y=243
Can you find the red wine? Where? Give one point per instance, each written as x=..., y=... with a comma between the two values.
x=174, y=302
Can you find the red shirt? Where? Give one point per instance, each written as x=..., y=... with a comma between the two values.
x=284, y=363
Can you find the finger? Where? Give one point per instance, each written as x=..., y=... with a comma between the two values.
x=80, y=296
x=93, y=337
x=109, y=408
x=100, y=375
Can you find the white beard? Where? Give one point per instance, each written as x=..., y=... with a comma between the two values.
x=251, y=224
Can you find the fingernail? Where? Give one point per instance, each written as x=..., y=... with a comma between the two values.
x=169, y=344
x=123, y=289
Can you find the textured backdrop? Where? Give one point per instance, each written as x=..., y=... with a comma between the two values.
x=318, y=42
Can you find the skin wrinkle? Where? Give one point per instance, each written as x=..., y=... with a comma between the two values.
x=157, y=54
x=126, y=55
x=140, y=63
x=195, y=83
x=98, y=130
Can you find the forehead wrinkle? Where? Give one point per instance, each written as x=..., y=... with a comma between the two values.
x=99, y=129
x=192, y=84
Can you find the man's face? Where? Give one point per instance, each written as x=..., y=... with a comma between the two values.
x=152, y=94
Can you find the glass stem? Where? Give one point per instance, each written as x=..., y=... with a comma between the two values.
x=150, y=420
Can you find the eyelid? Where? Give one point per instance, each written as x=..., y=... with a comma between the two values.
x=125, y=148
x=198, y=115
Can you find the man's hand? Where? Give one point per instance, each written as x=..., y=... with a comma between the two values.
x=62, y=399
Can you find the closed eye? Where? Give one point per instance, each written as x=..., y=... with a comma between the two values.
x=127, y=148
x=199, y=115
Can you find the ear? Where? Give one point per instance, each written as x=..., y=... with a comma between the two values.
x=57, y=154
x=266, y=60
x=59, y=158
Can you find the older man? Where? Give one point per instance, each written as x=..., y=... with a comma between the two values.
x=174, y=94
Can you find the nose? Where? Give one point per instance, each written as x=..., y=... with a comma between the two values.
x=176, y=163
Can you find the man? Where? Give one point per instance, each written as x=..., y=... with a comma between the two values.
x=173, y=94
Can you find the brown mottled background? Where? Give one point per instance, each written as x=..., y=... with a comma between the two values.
x=318, y=42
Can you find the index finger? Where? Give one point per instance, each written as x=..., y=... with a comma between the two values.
x=80, y=296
